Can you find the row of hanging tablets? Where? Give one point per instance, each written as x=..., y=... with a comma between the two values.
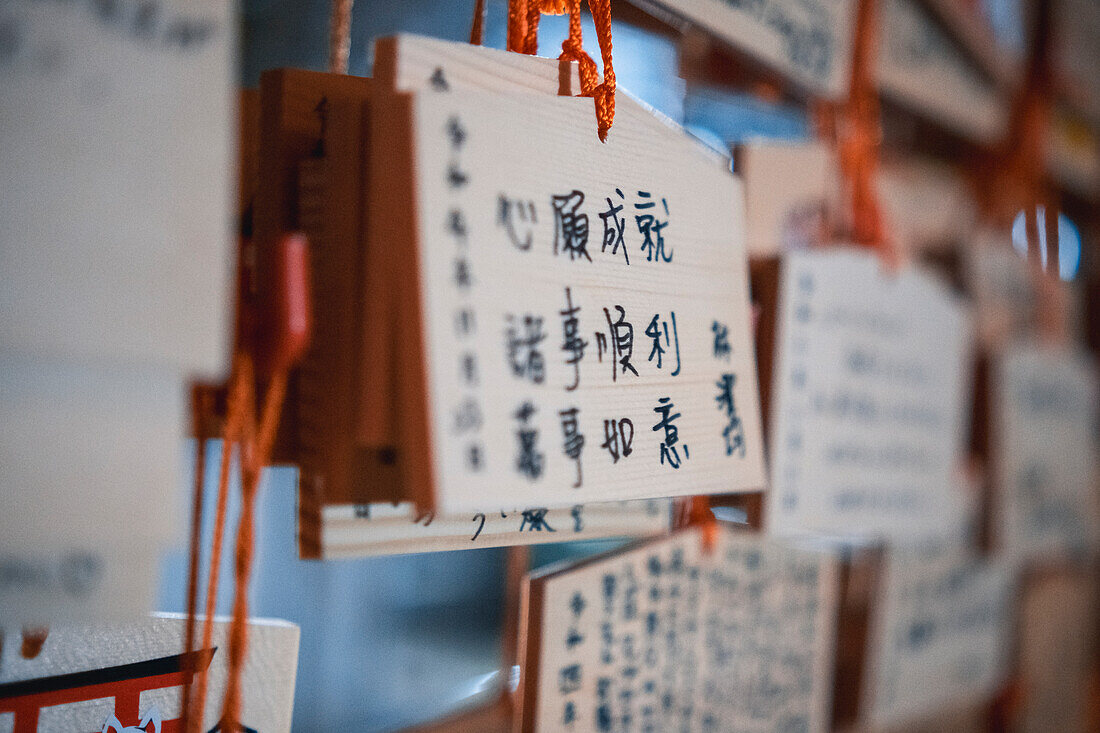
x=542, y=355
x=521, y=334
x=548, y=337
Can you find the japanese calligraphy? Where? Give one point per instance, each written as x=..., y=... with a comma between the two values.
x=570, y=226
x=613, y=228
x=618, y=438
x=669, y=450
x=621, y=343
x=572, y=343
x=573, y=440
x=652, y=228
x=721, y=340
x=733, y=432
x=522, y=348
x=660, y=335
x=518, y=219
x=572, y=296
x=529, y=460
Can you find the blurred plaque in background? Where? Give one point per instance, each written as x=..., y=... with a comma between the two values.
x=869, y=400
x=1043, y=452
x=128, y=677
x=939, y=636
x=116, y=248
x=921, y=68
x=807, y=41
x=116, y=231
x=790, y=195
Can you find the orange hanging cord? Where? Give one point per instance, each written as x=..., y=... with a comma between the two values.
x=523, y=30
x=281, y=349
x=1023, y=182
x=860, y=136
x=200, y=408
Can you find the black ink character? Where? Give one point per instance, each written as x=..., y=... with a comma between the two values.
x=622, y=343
x=187, y=33
x=523, y=349
x=516, y=215
x=456, y=133
x=614, y=227
x=534, y=520
x=734, y=431
x=473, y=457
x=463, y=278
x=658, y=331
x=570, y=226
x=618, y=438
x=530, y=460
x=468, y=416
x=652, y=228
x=669, y=450
x=569, y=713
x=480, y=518
x=438, y=81
x=721, y=340
x=464, y=321
x=456, y=225
x=469, y=368
x=573, y=439
x=569, y=679
x=456, y=178
x=573, y=638
x=577, y=604
x=577, y=513
x=572, y=343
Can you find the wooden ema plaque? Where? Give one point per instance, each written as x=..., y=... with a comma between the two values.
x=1043, y=413
x=865, y=391
x=457, y=380
x=125, y=677
x=670, y=635
x=939, y=635
x=808, y=42
x=524, y=368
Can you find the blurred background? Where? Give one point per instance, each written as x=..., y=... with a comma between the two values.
x=393, y=641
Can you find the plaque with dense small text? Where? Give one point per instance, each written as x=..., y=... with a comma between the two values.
x=670, y=635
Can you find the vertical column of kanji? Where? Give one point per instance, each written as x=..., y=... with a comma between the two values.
x=670, y=641
x=606, y=672
x=630, y=643
x=803, y=599
x=733, y=430
x=578, y=649
x=657, y=693
x=690, y=642
x=797, y=289
x=468, y=414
